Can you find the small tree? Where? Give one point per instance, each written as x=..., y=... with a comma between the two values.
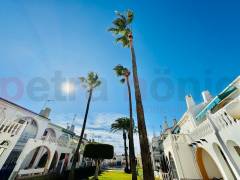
x=122, y=124
x=98, y=152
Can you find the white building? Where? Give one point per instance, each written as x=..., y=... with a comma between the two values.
x=205, y=142
x=31, y=145
x=116, y=161
x=156, y=152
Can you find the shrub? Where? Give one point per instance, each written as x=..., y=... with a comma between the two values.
x=98, y=152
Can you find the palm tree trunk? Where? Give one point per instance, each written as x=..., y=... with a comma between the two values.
x=143, y=138
x=125, y=150
x=131, y=142
x=96, y=170
x=71, y=175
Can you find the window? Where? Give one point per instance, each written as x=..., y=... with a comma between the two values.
x=237, y=148
x=4, y=143
x=1, y=150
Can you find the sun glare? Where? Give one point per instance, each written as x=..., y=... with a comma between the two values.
x=68, y=87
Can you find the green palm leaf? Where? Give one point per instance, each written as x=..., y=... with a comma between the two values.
x=123, y=40
x=120, y=23
x=91, y=81
x=130, y=16
x=114, y=30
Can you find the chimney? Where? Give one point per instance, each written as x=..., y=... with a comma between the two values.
x=165, y=124
x=45, y=112
x=190, y=102
x=206, y=96
x=174, y=121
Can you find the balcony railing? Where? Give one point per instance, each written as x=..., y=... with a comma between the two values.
x=202, y=130
x=30, y=172
x=12, y=128
x=223, y=120
x=49, y=138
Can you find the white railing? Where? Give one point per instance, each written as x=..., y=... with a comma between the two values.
x=223, y=120
x=179, y=138
x=49, y=139
x=24, y=172
x=202, y=130
x=11, y=128
x=176, y=139
x=220, y=119
x=62, y=143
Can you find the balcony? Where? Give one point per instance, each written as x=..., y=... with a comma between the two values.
x=12, y=128
x=202, y=130
x=221, y=119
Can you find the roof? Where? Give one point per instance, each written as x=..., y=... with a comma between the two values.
x=37, y=114
x=228, y=90
x=26, y=109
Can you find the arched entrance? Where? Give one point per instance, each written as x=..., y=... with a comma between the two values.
x=54, y=162
x=224, y=162
x=36, y=160
x=63, y=162
x=234, y=149
x=207, y=165
x=30, y=131
x=43, y=160
x=49, y=134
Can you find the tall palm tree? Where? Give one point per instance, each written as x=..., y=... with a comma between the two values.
x=125, y=73
x=90, y=83
x=122, y=29
x=122, y=124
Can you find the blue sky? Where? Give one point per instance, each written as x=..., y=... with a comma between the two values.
x=175, y=41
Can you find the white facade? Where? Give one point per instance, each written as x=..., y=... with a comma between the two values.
x=205, y=143
x=31, y=145
x=156, y=152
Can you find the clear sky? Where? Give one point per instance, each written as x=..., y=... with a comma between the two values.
x=175, y=41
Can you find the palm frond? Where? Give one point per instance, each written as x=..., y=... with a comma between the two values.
x=121, y=27
x=122, y=123
x=82, y=79
x=123, y=40
x=120, y=23
x=91, y=81
x=121, y=15
x=97, y=83
x=125, y=32
x=130, y=16
x=119, y=70
x=114, y=30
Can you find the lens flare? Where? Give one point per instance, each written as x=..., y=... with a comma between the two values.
x=68, y=87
